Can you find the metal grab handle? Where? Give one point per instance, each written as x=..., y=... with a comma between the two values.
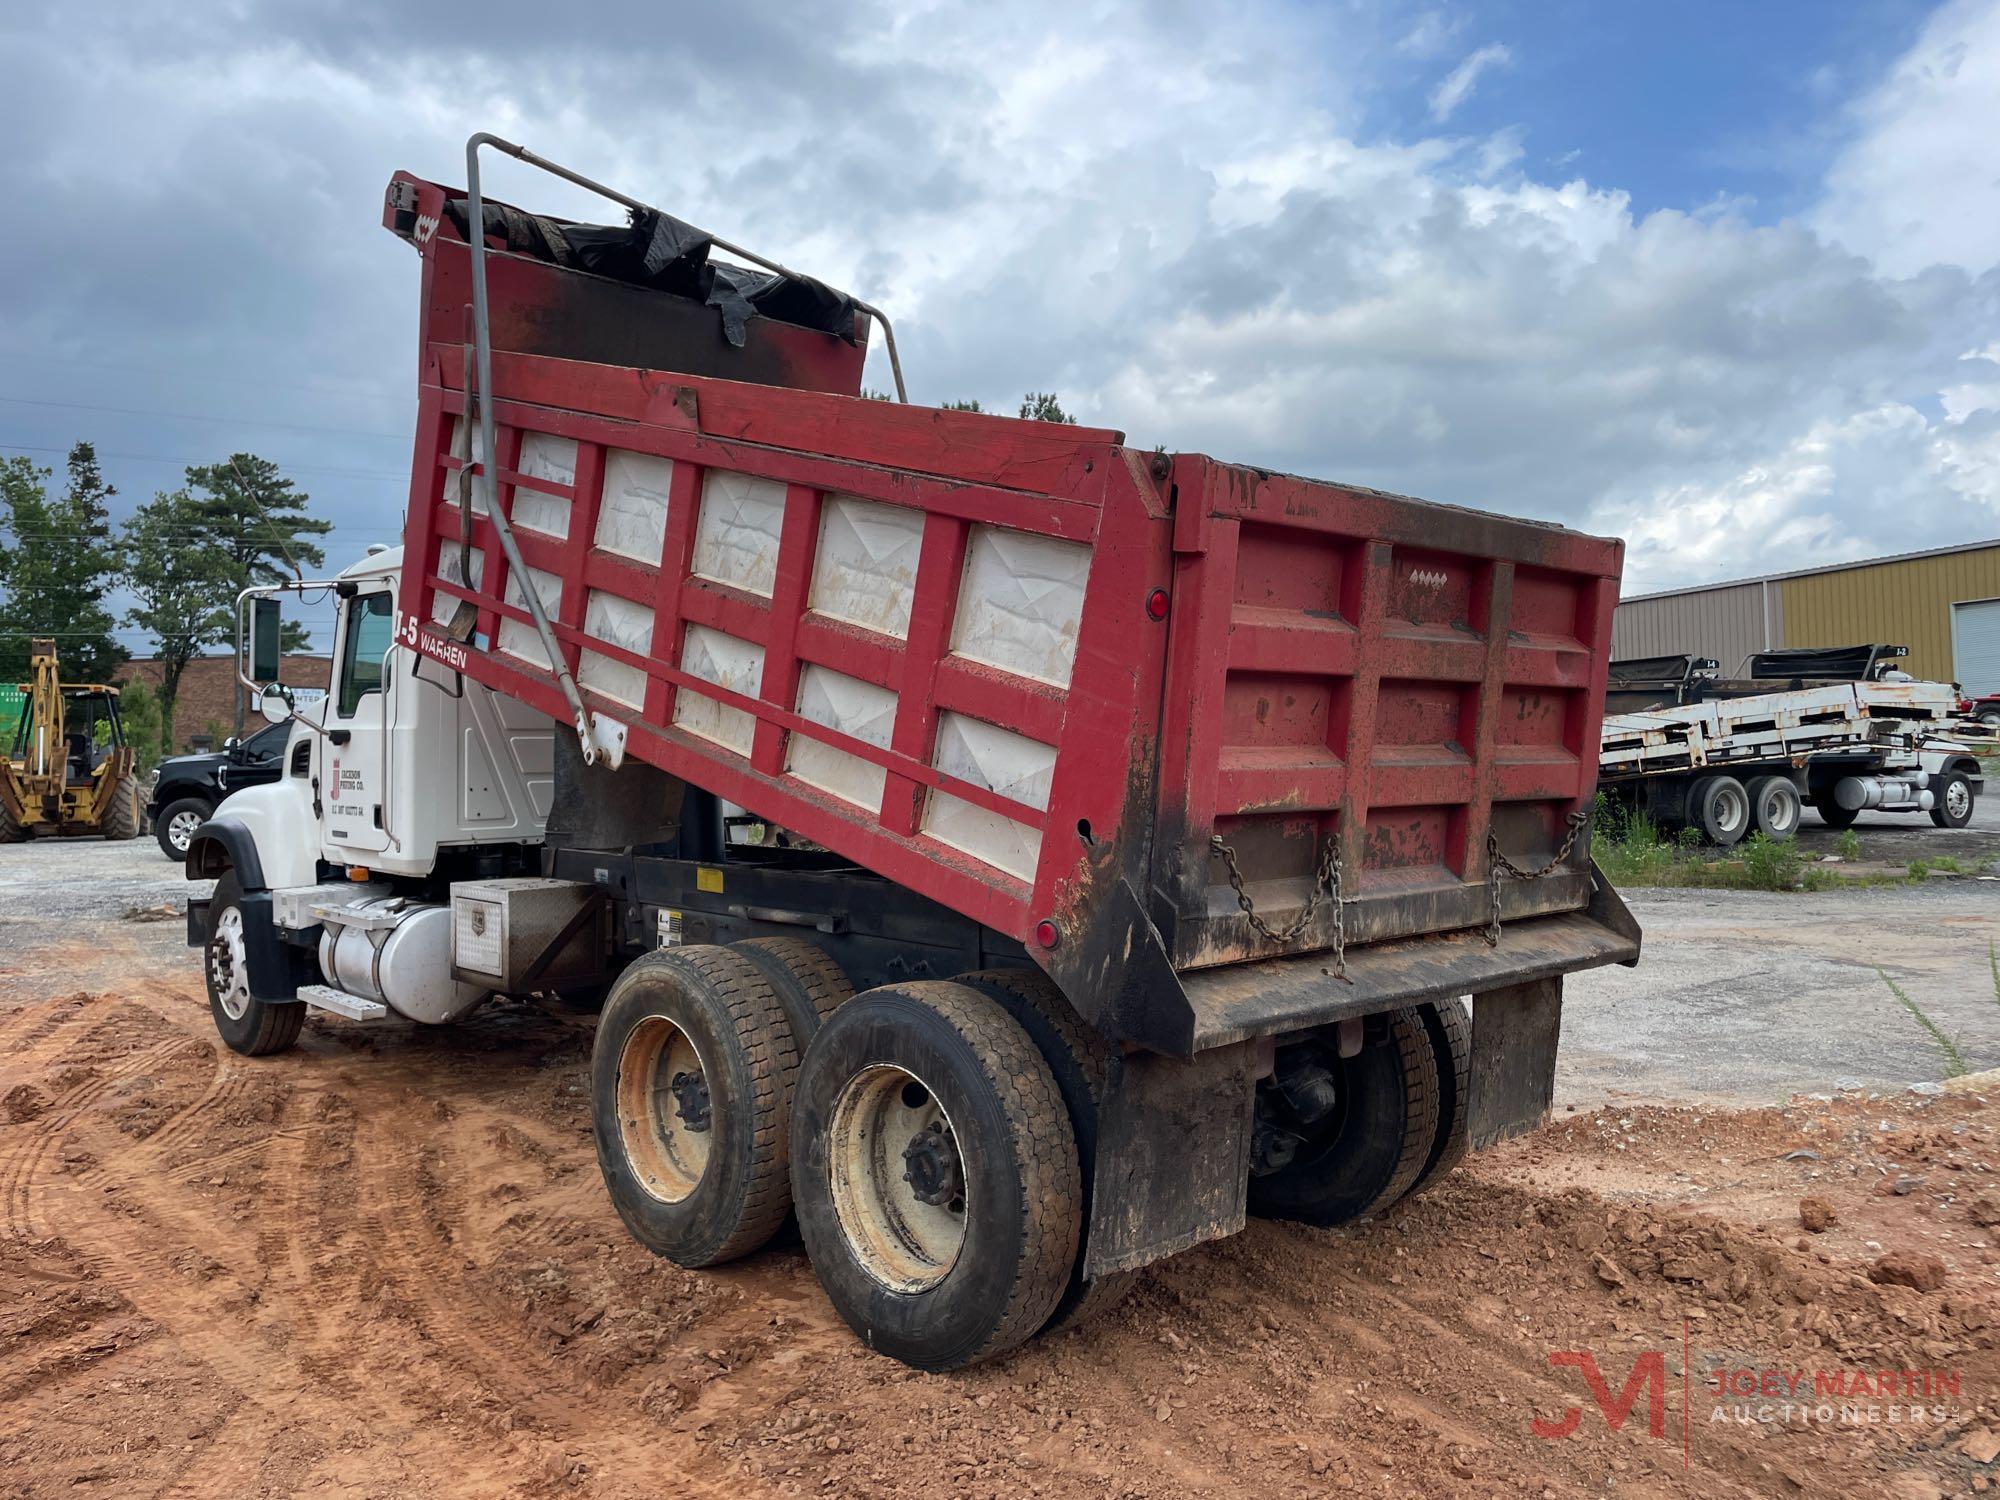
x=478, y=390
x=476, y=219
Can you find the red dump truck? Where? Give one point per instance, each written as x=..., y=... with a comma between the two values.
x=1018, y=854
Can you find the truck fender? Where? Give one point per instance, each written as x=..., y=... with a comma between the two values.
x=277, y=968
x=223, y=844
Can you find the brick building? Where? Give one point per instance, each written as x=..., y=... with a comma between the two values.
x=206, y=705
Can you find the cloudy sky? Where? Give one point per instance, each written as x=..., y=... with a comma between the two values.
x=1717, y=278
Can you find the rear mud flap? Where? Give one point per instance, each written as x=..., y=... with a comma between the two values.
x=1173, y=1156
x=1514, y=1035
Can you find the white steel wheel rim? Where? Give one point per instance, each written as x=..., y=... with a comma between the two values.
x=229, y=965
x=180, y=829
x=1779, y=815
x=666, y=1143
x=1957, y=799
x=904, y=1242
x=1732, y=809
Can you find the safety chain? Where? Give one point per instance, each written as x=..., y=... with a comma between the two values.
x=1325, y=883
x=1498, y=864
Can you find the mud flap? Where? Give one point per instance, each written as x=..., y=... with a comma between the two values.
x=1514, y=1035
x=1173, y=1156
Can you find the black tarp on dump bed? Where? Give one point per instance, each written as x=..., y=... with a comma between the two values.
x=659, y=252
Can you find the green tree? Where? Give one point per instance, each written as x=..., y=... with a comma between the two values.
x=139, y=712
x=185, y=593
x=1042, y=406
x=56, y=566
x=972, y=405
x=253, y=515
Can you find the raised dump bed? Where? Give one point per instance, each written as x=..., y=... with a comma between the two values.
x=1032, y=672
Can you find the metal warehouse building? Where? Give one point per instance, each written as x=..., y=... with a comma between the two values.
x=1943, y=604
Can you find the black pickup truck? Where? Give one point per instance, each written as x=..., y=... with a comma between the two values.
x=191, y=785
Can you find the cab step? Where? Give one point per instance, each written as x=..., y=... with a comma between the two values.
x=340, y=1003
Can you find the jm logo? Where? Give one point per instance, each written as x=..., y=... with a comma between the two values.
x=1649, y=1374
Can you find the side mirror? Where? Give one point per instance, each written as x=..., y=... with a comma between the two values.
x=275, y=704
x=231, y=743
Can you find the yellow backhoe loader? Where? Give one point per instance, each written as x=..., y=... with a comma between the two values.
x=69, y=770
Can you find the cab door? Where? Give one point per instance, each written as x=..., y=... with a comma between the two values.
x=356, y=776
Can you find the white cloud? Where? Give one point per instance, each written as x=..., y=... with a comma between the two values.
x=1459, y=83
x=1430, y=34
x=1920, y=183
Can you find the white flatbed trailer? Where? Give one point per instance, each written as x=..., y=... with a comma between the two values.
x=1730, y=766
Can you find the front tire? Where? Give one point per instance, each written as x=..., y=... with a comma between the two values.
x=935, y=1173
x=175, y=826
x=253, y=1027
x=1952, y=807
x=121, y=818
x=11, y=829
x=691, y=1081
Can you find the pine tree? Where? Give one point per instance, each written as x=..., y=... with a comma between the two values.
x=186, y=593
x=257, y=518
x=1042, y=406
x=56, y=565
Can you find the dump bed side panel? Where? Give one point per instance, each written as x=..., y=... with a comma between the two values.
x=1401, y=678
x=920, y=638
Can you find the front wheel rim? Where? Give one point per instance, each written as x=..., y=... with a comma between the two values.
x=1958, y=799
x=666, y=1116
x=897, y=1178
x=229, y=965
x=180, y=829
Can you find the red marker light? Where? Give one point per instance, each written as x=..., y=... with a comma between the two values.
x=1047, y=934
x=1156, y=604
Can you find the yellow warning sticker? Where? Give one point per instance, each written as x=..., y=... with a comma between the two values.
x=707, y=878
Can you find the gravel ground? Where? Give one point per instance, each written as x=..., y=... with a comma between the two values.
x=1743, y=996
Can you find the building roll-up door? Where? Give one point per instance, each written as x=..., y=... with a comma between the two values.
x=1975, y=635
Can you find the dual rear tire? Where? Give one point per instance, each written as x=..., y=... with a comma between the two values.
x=1726, y=810
x=1386, y=1123
x=919, y=1132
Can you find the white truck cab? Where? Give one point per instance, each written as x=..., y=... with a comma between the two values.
x=403, y=779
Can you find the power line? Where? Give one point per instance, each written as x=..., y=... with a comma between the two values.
x=182, y=416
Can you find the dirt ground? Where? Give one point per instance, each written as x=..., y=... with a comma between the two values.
x=383, y=1264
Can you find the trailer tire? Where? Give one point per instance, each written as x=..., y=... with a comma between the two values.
x=1449, y=1024
x=691, y=1081
x=253, y=1027
x=1720, y=808
x=1081, y=1061
x=1775, y=806
x=935, y=1174
x=1377, y=1149
x=1832, y=813
x=121, y=817
x=809, y=985
x=1952, y=804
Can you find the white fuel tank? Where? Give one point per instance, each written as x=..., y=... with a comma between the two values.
x=398, y=952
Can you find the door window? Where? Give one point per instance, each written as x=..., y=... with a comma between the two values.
x=363, y=641
x=267, y=743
